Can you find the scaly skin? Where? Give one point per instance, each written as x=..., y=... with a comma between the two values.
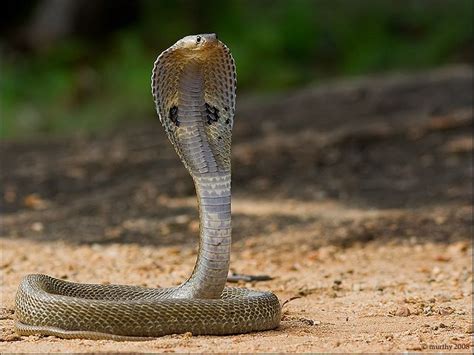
x=193, y=85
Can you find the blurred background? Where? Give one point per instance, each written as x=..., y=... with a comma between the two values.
x=84, y=66
x=352, y=168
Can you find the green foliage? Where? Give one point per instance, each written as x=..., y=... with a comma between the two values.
x=86, y=85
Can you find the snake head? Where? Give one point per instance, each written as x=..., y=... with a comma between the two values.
x=197, y=41
x=197, y=45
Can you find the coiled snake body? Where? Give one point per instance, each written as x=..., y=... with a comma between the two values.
x=193, y=85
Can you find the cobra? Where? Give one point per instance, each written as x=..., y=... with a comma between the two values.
x=193, y=86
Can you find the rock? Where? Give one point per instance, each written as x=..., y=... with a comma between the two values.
x=428, y=311
x=442, y=258
x=11, y=337
x=337, y=285
x=402, y=311
x=415, y=347
x=469, y=329
x=34, y=201
x=37, y=227
x=444, y=311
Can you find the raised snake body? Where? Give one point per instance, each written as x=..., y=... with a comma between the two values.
x=193, y=85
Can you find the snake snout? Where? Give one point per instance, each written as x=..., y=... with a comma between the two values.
x=210, y=37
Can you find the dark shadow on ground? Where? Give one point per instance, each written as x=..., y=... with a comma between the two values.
x=392, y=143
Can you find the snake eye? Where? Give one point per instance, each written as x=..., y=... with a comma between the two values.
x=198, y=39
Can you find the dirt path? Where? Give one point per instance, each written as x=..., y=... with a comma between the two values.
x=355, y=196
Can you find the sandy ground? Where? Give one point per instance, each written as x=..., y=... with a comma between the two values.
x=355, y=197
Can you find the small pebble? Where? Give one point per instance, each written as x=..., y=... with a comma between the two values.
x=11, y=337
x=444, y=311
x=469, y=329
x=414, y=347
x=37, y=227
x=427, y=311
x=402, y=311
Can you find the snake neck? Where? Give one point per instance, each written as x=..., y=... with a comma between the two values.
x=212, y=181
x=209, y=276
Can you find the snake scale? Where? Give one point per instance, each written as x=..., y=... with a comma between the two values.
x=193, y=86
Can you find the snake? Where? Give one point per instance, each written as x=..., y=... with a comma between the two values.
x=194, y=90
